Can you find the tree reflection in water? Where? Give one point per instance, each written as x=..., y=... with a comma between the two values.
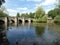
x=3, y=38
x=57, y=42
x=40, y=29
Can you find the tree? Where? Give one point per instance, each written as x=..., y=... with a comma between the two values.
x=57, y=11
x=57, y=19
x=31, y=15
x=1, y=2
x=3, y=8
x=58, y=3
x=18, y=15
x=44, y=18
x=54, y=12
x=51, y=13
x=3, y=14
x=39, y=12
x=25, y=15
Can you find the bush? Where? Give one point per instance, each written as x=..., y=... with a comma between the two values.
x=37, y=20
x=57, y=19
x=42, y=19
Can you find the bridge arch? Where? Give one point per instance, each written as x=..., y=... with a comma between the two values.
x=26, y=21
x=12, y=21
x=20, y=21
x=2, y=22
x=31, y=21
x=15, y=20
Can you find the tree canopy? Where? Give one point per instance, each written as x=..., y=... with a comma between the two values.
x=39, y=12
x=18, y=15
x=58, y=3
x=1, y=2
x=54, y=12
x=3, y=14
x=23, y=15
x=31, y=15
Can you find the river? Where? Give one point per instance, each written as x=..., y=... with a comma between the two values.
x=30, y=34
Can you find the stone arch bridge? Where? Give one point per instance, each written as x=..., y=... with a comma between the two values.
x=15, y=20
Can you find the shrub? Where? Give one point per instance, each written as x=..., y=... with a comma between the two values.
x=57, y=19
x=44, y=18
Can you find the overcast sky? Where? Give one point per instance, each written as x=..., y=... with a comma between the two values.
x=26, y=6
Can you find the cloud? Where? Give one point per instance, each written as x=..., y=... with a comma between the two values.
x=47, y=10
x=21, y=0
x=48, y=2
x=34, y=0
x=47, y=5
x=24, y=8
x=13, y=8
x=24, y=12
x=12, y=12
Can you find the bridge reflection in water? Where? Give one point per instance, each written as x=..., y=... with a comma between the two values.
x=3, y=38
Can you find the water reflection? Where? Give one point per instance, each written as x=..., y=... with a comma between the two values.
x=3, y=38
x=39, y=29
x=30, y=34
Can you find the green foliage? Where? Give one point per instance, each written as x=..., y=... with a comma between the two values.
x=39, y=12
x=18, y=15
x=58, y=3
x=42, y=19
x=2, y=14
x=27, y=15
x=31, y=15
x=37, y=20
x=51, y=13
x=1, y=2
x=24, y=15
x=54, y=12
x=57, y=11
x=57, y=19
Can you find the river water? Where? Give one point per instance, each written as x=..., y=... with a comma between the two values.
x=30, y=34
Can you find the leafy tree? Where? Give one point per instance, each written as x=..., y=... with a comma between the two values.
x=51, y=13
x=23, y=15
x=57, y=19
x=54, y=12
x=18, y=15
x=3, y=8
x=39, y=12
x=3, y=14
x=58, y=3
x=26, y=15
x=57, y=11
x=31, y=15
x=44, y=18
x=1, y=2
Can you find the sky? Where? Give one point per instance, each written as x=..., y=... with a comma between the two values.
x=26, y=6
